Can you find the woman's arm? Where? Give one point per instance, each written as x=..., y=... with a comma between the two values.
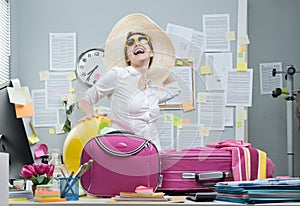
x=86, y=109
x=170, y=90
x=103, y=87
x=169, y=80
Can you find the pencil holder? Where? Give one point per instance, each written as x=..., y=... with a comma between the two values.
x=69, y=188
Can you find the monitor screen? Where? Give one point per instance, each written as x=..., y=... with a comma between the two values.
x=13, y=135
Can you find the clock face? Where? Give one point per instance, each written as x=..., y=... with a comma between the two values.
x=90, y=66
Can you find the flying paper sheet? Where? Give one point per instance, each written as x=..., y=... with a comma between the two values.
x=20, y=96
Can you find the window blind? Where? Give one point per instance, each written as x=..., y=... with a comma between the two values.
x=4, y=40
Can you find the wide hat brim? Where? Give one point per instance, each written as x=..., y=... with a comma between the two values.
x=164, y=54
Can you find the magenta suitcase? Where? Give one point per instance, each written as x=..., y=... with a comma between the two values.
x=121, y=162
x=193, y=170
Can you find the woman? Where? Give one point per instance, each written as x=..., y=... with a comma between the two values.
x=138, y=79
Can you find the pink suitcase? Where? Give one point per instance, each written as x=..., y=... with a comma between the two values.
x=193, y=170
x=121, y=162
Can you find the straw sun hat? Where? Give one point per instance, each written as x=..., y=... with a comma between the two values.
x=164, y=54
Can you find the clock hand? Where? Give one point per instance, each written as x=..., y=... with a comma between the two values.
x=91, y=72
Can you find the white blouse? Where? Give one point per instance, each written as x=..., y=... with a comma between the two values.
x=137, y=108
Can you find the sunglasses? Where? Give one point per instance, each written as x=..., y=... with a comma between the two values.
x=141, y=39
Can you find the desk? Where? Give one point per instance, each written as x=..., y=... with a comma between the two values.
x=104, y=202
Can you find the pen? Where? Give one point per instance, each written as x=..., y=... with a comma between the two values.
x=67, y=185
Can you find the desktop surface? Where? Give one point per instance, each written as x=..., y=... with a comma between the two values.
x=88, y=201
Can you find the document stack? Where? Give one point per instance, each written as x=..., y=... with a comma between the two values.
x=273, y=190
x=20, y=195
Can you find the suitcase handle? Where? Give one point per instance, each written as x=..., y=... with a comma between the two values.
x=122, y=154
x=120, y=132
x=203, y=178
x=209, y=176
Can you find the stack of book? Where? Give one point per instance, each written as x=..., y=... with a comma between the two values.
x=273, y=190
x=20, y=195
x=47, y=193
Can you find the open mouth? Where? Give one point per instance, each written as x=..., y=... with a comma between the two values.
x=138, y=50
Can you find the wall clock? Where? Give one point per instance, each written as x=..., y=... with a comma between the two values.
x=90, y=65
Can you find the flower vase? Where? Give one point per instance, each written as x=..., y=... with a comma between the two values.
x=33, y=188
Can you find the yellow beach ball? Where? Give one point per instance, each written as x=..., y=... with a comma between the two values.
x=77, y=138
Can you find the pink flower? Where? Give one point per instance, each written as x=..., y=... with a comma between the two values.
x=31, y=168
x=41, y=168
x=38, y=173
x=50, y=171
x=26, y=173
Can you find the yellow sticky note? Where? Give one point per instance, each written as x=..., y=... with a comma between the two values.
x=244, y=39
x=177, y=122
x=204, y=132
x=44, y=75
x=230, y=36
x=241, y=66
x=71, y=89
x=239, y=124
x=187, y=106
x=51, y=131
x=179, y=62
x=32, y=127
x=205, y=69
x=179, y=125
x=201, y=98
x=33, y=139
x=190, y=59
x=71, y=76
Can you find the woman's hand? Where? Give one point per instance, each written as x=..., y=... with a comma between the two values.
x=86, y=109
x=95, y=115
x=168, y=80
x=87, y=117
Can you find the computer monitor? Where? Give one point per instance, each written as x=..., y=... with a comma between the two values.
x=13, y=139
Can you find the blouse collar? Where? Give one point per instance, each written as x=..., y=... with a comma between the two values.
x=135, y=72
x=132, y=70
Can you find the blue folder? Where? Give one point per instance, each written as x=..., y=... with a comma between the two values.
x=259, y=191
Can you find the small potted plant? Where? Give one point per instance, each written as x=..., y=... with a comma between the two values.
x=39, y=174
